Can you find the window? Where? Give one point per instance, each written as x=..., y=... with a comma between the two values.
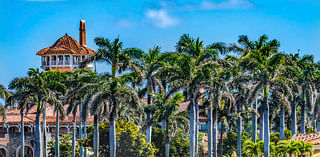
x=75, y=59
x=60, y=62
x=60, y=58
x=67, y=58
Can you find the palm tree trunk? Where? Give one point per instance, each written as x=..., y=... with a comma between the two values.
x=85, y=136
x=254, y=123
x=214, y=116
x=294, y=117
x=38, y=145
x=22, y=134
x=210, y=132
x=74, y=135
x=221, y=138
x=44, y=127
x=282, y=122
x=57, y=154
x=80, y=130
x=197, y=129
x=192, y=128
x=112, y=136
x=167, y=145
x=261, y=125
x=239, y=136
x=303, y=119
x=96, y=136
x=266, y=127
x=150, y=92
x=163, y=124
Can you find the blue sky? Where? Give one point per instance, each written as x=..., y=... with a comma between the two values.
x=26, y=26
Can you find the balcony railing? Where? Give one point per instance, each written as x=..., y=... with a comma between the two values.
x=67, y=62
x=53, y=62
x=60, y=62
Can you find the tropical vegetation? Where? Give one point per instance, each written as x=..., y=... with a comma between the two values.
x=251, y=96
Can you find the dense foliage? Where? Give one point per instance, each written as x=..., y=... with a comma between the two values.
x=131, y=142
x=179, y=146
x=65, y=146
x=249, y=93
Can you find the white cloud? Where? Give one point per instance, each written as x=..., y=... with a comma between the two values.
x=207, y=5
x=44, y=0
x=123, y=23
x=161, y=18
x=229, y=4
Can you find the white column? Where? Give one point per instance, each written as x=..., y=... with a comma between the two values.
x=68, y=127
x=50, y=59
x=63, y=59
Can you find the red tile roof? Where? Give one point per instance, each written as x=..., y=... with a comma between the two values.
x=13, y=116
x=313, y=138
x=66, y=45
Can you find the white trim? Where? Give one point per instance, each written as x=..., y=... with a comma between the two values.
x=17, y=154
x=3, y=147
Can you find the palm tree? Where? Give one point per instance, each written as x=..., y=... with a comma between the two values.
x=120, y=60
x=306, y=81
x=4, y=94
x=24, y=103
x=167, y=109
x=55, y=99
x=191, y=74
x=279, y=96
x=151, y=62
x=301, y=71
x=39, y=87
x=267, y=65
x=76, y=80
x=253, y=149
x=116, y=93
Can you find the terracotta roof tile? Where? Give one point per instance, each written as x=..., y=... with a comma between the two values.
x=13, y=116
x=313, y=138
x=66, y=45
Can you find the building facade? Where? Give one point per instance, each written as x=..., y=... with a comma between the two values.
x=64, y=56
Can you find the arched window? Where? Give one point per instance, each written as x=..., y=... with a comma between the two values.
x=28, y=151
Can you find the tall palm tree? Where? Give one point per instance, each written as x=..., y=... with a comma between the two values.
x=24, y=103
x=39, y=87
x=116, y=93
x=306, y=81
x=300, y=69
x=55, y=99
x=279, y=96
x=4, y=94
x=76, y=80
x=191, y=74
x=268, y=68
x=151, y=62
x=120, y=60
x=167, y=109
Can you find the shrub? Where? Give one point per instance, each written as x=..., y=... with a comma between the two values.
x=179, y=146
x=65, y=146
x=129, y=141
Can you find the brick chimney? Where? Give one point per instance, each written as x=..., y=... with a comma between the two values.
x=82, y=33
